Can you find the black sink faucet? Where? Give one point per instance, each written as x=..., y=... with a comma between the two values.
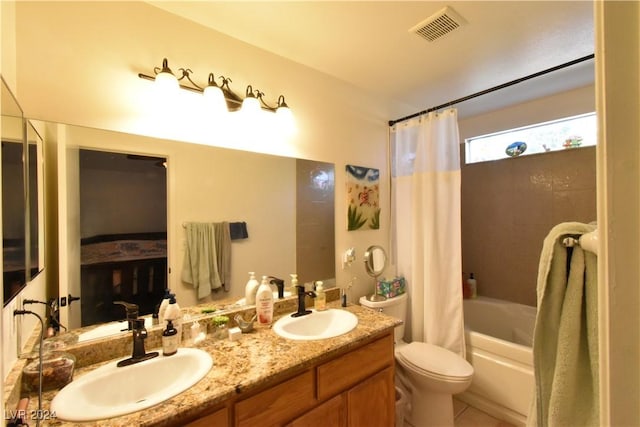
x=132, y=312
x=301, y=308
x=138, y=354
x=279, y=285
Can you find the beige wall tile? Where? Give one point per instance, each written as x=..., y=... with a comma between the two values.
x=508, y=208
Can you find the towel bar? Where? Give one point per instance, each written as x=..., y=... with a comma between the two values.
x=588, y=242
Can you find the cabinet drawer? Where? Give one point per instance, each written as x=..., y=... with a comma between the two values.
x=278, y=404
x=341, y=373
x=219, y=418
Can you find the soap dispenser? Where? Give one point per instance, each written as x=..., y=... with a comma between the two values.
x=294, y=283
x=250, y=289
x=320, y=301
x=264, y=303
x=174, y=315
x=170, y=339
x=163, y=305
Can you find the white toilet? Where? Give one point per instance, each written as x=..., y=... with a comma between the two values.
x=429, y=374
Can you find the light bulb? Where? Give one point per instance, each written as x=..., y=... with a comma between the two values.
x=250, y=105
x=165, y=81
x=214, y=99
x=286, y=121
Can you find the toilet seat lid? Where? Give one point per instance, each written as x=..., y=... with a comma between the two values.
x=434, y=360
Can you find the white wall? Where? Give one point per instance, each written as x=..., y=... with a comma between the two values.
x=560, y=105
x=618, y=166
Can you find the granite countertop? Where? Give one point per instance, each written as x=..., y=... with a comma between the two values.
x=257, y=358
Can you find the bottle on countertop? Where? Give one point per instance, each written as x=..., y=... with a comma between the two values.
x=466, y=291
x=174, y=314
x=163, y=305
x=170, y=339
x=473, y=286
x=320, y=301
x=294, y=283
x=264, y=303
x=250, y=289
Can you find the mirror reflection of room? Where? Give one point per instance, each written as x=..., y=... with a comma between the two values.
x=13, y=220
x=123, y=228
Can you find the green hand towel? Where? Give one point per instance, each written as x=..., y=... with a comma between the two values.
x=565, y=347
x=200, y=266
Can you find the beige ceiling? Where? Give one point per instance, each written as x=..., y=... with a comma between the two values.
x=367, y=43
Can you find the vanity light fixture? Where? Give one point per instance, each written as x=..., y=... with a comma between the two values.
x=215, y=94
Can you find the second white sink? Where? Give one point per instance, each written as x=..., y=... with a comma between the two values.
x=317, y=325
x=109, y=391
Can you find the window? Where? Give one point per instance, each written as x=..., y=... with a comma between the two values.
x=570, y=132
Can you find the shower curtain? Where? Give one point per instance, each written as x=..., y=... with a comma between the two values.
x=425, y=157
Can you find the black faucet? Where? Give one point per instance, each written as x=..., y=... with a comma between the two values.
x=132, y=312
x=302, y=311
x=138, y=354
x=279, y=284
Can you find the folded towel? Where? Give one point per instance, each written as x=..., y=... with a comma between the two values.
x=238, y=230
x=565, y=346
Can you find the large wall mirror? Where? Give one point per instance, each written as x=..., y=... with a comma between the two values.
x=22, y=202
x=287, y=205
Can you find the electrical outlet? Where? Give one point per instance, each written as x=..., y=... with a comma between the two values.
x=348, y=257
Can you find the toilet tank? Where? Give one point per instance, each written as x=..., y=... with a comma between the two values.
x=394, y=307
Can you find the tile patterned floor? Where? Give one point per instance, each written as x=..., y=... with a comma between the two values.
x=468, y=416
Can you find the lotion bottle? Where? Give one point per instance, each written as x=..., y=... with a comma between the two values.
x=321, y=298
x=174, y=314
x=163, y=306
x=169, y=340
x=264, y=303
x=294, y=283
x=473, y=286
x=250, y=289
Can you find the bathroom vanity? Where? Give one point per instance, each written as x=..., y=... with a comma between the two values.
x=263, y=379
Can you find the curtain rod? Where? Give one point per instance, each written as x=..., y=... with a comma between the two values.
x=493, y=89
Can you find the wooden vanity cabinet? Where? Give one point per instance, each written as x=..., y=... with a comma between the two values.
x=354, y=389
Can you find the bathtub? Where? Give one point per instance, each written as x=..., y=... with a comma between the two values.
x=498, y=337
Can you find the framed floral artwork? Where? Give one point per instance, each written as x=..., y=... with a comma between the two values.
x=363, y=198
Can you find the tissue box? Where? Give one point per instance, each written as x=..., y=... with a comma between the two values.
x=391, y=288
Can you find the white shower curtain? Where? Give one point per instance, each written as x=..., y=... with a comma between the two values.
x=425, y=156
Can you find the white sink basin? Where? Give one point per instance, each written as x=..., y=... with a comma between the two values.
x=109, y=391
x=316, y=326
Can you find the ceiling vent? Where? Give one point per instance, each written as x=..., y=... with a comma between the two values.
x=439, y=24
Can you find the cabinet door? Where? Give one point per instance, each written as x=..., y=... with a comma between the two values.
x=279, y=404
x=372, y=402
x=348, y=370
x=331, y=413
x=220, y=418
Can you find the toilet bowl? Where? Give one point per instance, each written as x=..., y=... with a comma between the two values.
x=429, y=375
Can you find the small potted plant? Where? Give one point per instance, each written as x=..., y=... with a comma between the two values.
x=218, y=326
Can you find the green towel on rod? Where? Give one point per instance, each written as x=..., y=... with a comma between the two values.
x=200, y=267
x=565, y=346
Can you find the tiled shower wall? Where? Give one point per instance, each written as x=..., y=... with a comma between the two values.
x=508, y=208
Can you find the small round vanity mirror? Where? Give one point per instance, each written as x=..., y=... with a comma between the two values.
x=375, y=260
